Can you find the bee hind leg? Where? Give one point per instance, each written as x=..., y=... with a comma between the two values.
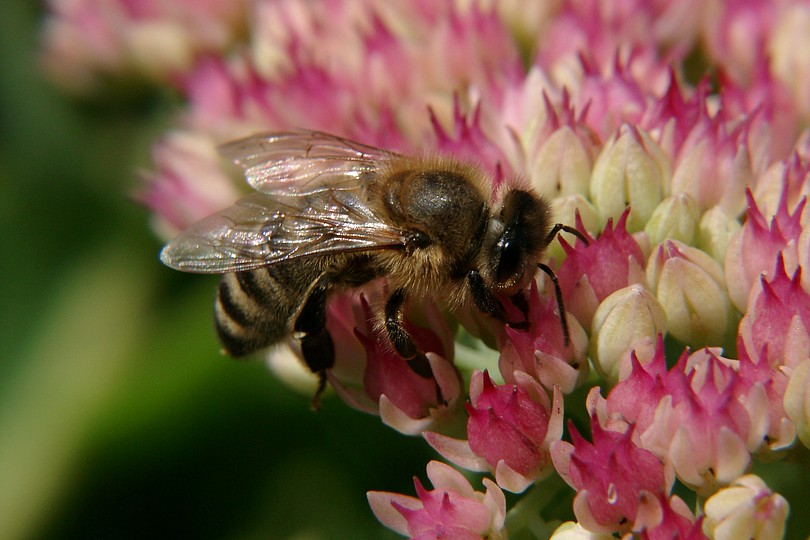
x=316, y=343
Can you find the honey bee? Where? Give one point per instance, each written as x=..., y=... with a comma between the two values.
x=331, y=214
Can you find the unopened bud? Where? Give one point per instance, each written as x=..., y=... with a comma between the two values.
x=746, y=509
x=632, y=170
x=715, y=230
x=675, y=218
x=691, y=288
x=626, y=317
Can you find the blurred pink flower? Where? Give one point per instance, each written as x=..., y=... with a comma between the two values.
x=788, y=179
x=612, y=33
x=88, y=41
x=561, y=151
x=189, y=183
x=309, y=66
x=716, y=148
x=736, y=33
x=452, y=509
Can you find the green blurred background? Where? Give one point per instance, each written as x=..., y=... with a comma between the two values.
x=118, y=416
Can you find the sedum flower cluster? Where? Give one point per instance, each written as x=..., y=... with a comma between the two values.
x=671, y=134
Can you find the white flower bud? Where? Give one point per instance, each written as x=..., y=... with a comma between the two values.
x=570, y=530
x=691, y=288
x=627, y=317
x=563, y=165
x=789, y=52
x=675, y=218
x=797, y=401
x=632, y=170
x=715, y=230
x=745, y=509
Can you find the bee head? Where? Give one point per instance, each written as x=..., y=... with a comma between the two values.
x=517, y=236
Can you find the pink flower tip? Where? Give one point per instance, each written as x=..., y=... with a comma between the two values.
x=452, y=509
x=612, y=477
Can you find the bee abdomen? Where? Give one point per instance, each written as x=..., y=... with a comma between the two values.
x=254, y=309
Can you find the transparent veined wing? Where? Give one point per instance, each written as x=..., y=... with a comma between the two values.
x=303, y=161
x=260, y=230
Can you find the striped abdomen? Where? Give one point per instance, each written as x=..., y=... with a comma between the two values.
x=255, y=309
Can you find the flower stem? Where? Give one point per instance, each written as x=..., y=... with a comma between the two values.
x=525, y=520
x=472, y=354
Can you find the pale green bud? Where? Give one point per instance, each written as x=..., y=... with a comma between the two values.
x=628, y=317
x=631, y=170
x=563, y=165
x=676, y=218
x=566, y=208
x=715, y=230
x=571, y=530
x=797, y=401
x=691, y=288
x=746, y=509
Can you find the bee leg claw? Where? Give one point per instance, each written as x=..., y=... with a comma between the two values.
x=519, y=325
x=420, y=365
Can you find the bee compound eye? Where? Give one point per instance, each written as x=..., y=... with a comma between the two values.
x=509, y=260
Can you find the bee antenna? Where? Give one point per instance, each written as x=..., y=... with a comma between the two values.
x=555, y=230
x=558, y=293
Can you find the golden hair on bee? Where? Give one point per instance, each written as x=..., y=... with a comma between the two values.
x=331, y=214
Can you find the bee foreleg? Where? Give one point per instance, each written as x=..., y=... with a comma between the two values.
x=486, y=302
x=483, y=298
x=560, y=304
x=317, y=346
x=555, y=230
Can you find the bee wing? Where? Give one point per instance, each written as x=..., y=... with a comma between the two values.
x=303, y=161
x=260, y=230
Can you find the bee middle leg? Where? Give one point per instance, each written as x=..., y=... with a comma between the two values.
x=316, y=343
x=400, y=338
